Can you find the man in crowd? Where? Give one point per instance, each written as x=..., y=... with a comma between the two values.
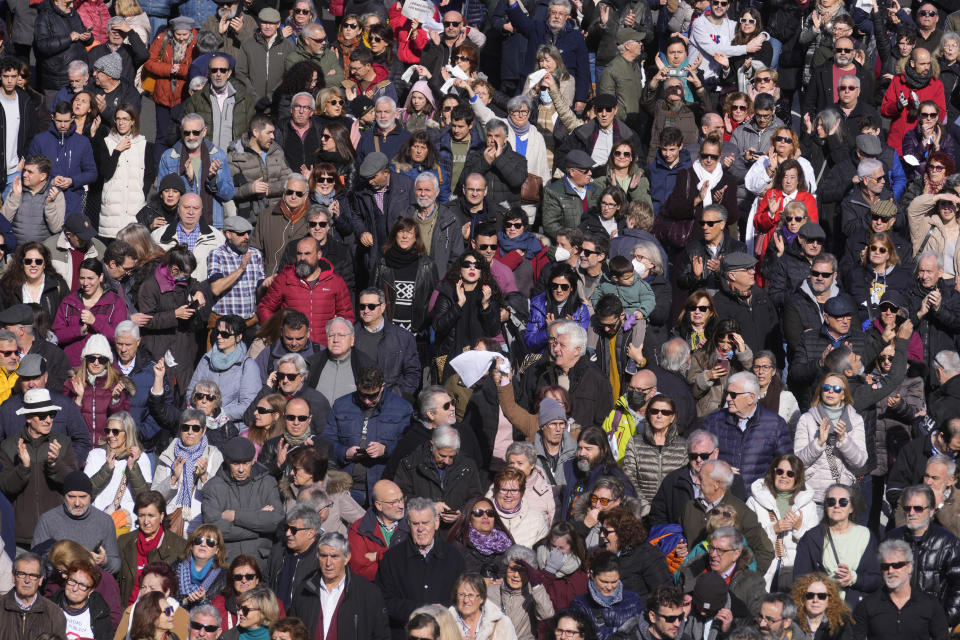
x=700, y=266
x=261, y=59
x=393, y=348
x=259, y=168
x=311, y=46
x=34, y=206
x=294, y=558
x=224, y=105
x=113, y=89
x=24, y=612
x=319, y=224
x=382, y=527
x=71, y=155
x=294, y=338
x=235, y=271
x=195, y=233
x=388, y=134
x=298, y=133
x=805, y=307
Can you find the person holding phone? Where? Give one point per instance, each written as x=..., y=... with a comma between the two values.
x=725, y=353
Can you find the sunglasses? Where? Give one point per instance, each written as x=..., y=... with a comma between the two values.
x=265, y=410
x=810, y=595
x=370, y=306
x=738, y=107
x=289, y=377
x=112, y=432
x=670, y=619
x=376, y=39
x=668, y=413
x=486, y=247
x=926, y=13
x=875, y=217
x=783, y=139
x=209, y=628
x=928, y=116
x=167, y=611
x=622, y=154
x=702, y=308
x=195, y=428
x=469, y=264
x=699, y=456
x=746, y=20
x=224, y=334
x=886, y=566
x=513, y=225
x=33, y=261
x=350, y=25
x=463, y=59
x=210, y=542
x=295, y=530
x=842, y=50
x=7, y=353
x=245, y=610
x=209, y=397
x=833, y=502
x=479, y=513
x=319, y=224
x=44, y=415
x=451, y=23
x=878, y=249
x=561, y=286
x=301, y=12
x=763, y=79
x=601, y=501
x=933, y=167
x=295, y=418
x=292, y=192
x=368, y=395
x=821, y=274
x=794, y=218
x=710, y=156
x=848, y=87
x=889, y=307
x=326, y=180
x=219, y=69
x=589, y=252
x=914, y=508
x=710, y=223
x=241, y=577
x=836, y=388
x=91, y=359
x=790, y=473
x=605, y=109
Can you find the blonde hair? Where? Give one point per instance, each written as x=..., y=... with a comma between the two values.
x=128, y=8
x=129, y=426
x=448, y=626
x=266, y=602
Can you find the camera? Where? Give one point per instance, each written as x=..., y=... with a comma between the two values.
x=678, y=73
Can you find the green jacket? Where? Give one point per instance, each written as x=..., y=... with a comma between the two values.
x=562, y=207
x=261, y=67
x=169, y=551
x=328, y=62
x=243, y=109
x=640, y=192
x=622, y=79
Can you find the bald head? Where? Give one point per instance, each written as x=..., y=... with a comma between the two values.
x=711, y=123
x=646, y=380
x=298, y=406
x=386, y=490
x=189, y=211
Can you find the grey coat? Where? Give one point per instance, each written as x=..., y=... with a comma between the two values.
x=247, y=166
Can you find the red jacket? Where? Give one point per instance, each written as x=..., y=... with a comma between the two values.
x=326, y=299
x=97, y=405
x=903, y=121
x=767, y=222
x=171, y=87
x=364, y=537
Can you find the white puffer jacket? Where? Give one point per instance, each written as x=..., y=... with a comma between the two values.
x=764, y=503
x=123, y=193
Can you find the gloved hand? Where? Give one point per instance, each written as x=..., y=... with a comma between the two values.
x=554, y=561
x=902, y=101
x=914, y=100
x=533, y=576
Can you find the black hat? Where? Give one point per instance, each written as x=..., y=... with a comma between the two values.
x=77, y=481
x=17, y=314
x=710, y=593
x=890, y=296
x=605, y=101
x=238, y=449
x=172, y=181
x=812, y=231
x=838, y=306
x=736, y=261
x=80, y=226
x=360, y=105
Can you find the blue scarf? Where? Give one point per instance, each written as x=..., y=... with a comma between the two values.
x=220, y=361
x=191, y=455
x=191, y=580
x=526, y=242
x=606, y=601
x=260, y=633
x=834, y=343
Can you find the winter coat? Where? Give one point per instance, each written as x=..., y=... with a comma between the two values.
x=746, y=593
x=758, y=318
x=106, y=482
x=398, y=358
x=29, y=111
x=97, y=405
x=125, y=180
x=360, y=209
x=647, y=463
x=915, y=144
x=585, y=136
x=30, y=217
x=707, y=279
x=535, y=336
x=360, y=612
x=108, y=312
x=788, y=272
x=494, y=624
x=643, y=568
x=569, y=41
x=809, y=558
x=260, y=65
x=61, y=258
x=608, y=619
x=209, y=239
x=906, y=119
x=272, y=233
x=54, y=47
x=927, y=227
x=43, y=617
x=679, y=207
x=217, y=188
x=457, y=327
x=252, y=528
x=663, y=178
x=527, y=526
x=684, y=117
x=365, y=537
x=866, y=287
x=936, y=565
x=525, y=608
x=247, y=166
x=504, y=176
x=238, y=383
x=621, y=78
x=446, y=243
x=161, y=483
x=694, y=522
x=299, y=151
x=321, y=301
x=98, y=610
x=562, y=206
x=425, y=283
x=591, y=397
x=936, y=328
x=68, y=421
x=819, y=93
x=36, y=489
x=766, y=437
x=802, y=310
x=244, y=108
x=172, y=88
x=710, y=393
x=578, y=484
x=72, y=157
x=328, y=62
x=852, y=452
x=169, y=551
x=764, y=505
x=805, y=368
x=536, y=152
x=417, y=475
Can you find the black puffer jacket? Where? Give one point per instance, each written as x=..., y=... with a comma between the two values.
x=936, y=328
x=417, y=475
x=55, y=49
x=643, y=568
x=800, y=312
x=936, y=566
x=459, y=327
x=787, y=273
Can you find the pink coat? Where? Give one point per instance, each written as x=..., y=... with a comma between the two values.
x=94, y=13
x=109, y=311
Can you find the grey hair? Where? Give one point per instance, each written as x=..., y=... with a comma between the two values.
x=952, y=182
x=78, y=66
x=949, y=361
x=127, y=328
x=949, y=35
x=373, y=291
x=309, y=515
x=765, y=353
x=930, y=253
x=827, y=257
x=297, y=361
x=718, y=209
x=675, y=355
x=425, y=399
x=919, y=489
x=387, y=99
x=418, y=503
x=296, y=177
x=197, y=83
x=336, y=541
x=495, y=126
x=736, y=538
x=718, y=470
x=868, y=166
x=611, y=484
x=206, y=610
x=560, y=3
x=311, y=29
x=305, y=94
x=522, y=448
x=333, y=321
x=699, y=435
x=7, y=336
x=829, y=118
x=445, y=437
x=516, y=102
x=112, y=21
x=210, y=387
x=193, y=414
x=890, y=547
x=578, y=335
x=852, y=76
x=946, y=461
x=313, y=496
x=748, y=379
x=429, y=177
x=190, y=117
x=519, y=553
x=652, y=251
x=788, y=608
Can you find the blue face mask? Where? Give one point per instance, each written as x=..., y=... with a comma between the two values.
x=545, y=97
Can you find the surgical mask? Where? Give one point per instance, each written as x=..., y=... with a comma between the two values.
x=545, y=97
x=640, y=268
x=636, y=399
x=561, y=255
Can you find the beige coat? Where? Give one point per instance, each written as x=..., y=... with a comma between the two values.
x=923, y=218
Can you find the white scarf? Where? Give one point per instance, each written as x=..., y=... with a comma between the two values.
x=704, y=177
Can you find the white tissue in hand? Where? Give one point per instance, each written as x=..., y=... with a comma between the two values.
x=169, y=360
x=536, y=76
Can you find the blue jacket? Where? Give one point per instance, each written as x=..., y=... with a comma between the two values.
x=220, y=186
x=663, y=179
x=72, y=157
x=809, y=558
x=573, y=48
x=536, y=334
x=514, y=50
x=390, y=418
x=388, y=145
x=766, y=437
x=608, y=619
x=142, y=378
x=443, y=174
x=199, y=10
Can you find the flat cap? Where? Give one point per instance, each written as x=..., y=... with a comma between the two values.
x=812, y=231
x=17, y=314
x=181, y=23
x=884, y=208
x=373, y=164
x=736, y=261
x=578, y=159
x=869, y=144
x=32, y=365
x=626, y=35
x=269, y=14
x=238, y=449
x=605, y=101
x=838, y=306
x=237, y=224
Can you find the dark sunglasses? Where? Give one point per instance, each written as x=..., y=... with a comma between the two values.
x=623, y=154
x=112, y=432
x=836, y=388
x=350, y=25
x=710, y=156
x=194, y=132
x=794, y=218
x=292, y=192
x=219, y=69
x=245, y=610
x=209, y=628
x=738, y=107
x=783, y=139
x=210, y=542
x=513, y=225
x=195, y=428
x=833, y=502
x=562, y=286
x=295, y=418
x=710, y=223
x=289, y=377
x=486, y=247
x=327, y=179
x=810, y=595
x=468, y=264
x=44, y=415
x=878, y=249
x=463, y=58
x=875, y=217
x=889, y=307
x=224, y=334
x=265, y=411
x=451, y=23
x=369, y=306
x=926, y=13
x=915, y=508
x=821, y=274
x=302, y=12
x=33, y=261
x=790, y=473
x=376, y=39
x=928, y=116
x=698, y=456
x=886, y=566
x=368, y=395
x=91, y=359
x=237, y=577
x=209, y=397
x=479, y=513
x=670, y=619
x=6, y=353
x=295, y=530
x=842, y=50
x=667, y=413
x=318, y=224
x=588, y=252
x=702, y=308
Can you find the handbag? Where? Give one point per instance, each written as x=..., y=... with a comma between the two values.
x=146, y=81
x=532, y=188
x=175, y=522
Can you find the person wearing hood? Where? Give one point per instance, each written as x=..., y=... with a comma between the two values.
x=420, y=108
x=311, y=46
x=78, y=520
x=226, y=364
x=74, y=166
x=91, y=310
x=918, y=81
x=243, y=501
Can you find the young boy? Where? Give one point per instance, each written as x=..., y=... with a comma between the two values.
x=633, y=291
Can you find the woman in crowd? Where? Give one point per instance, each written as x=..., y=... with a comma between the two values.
x=86, y=612
x=773, y=394
x=420, y=109
x=267, y=420
x=607, y=602
x=92, y=310
x=201, y=571
x=309, y=470
x=657, y=450
x=897, y=412
x=243, y=575
x=406, y=261
x=481, y=537
x=326, y=186
x=724, y=354
x=171, y=54
x=830, y=437
x=764, y=174
x=138, y=235
x=788, y=186
x=301, y=14
x=476, y=616
x=550, y=60
x=184, y=468
x=337, y=150
x=349, y=38
x=226, y=364
x=125, y=161
x=559, y=301
x=782, y=237
x=525, y=524
x=135, y=16
x=822, y=612
x=933, y=227
x=948, y=57
x=419, y=154
x=520, y=594
x=741, y=69
x=562, y=564
x=156, y=577
x=697, y=320
x=149, y=543
x=303, y=76
x=607, y=218
x=928, y=137
x=258, y=609
x=436, y=617
x=737, y=109
x=467, y=308
x=522, y=456
x=385, y=53
x=785, y=510
x=30, y=278
x=573, y=624
x=86, y=114
x=933, y=180
x=98, y=388
x=840, y=548
x=520, y=249
x=879, y=271
x=623, y=170
x=332, y=108
x=153, y=618
x=118, y=469
x=643, y=567
x=648, y=261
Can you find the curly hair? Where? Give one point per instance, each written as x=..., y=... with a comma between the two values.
x=299, y=77
x=733, y=97
x=837, y=613
x=630, y=530
x=486, y=278
x=14, y=277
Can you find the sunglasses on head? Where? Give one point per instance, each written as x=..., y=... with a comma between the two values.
x=811, y=595
x=293, y=192
x=790, y=473
x=562, y=286
x=195, y=428
x=479, y=513
x=833, y=502
x=209, y=397
x=33, y=261
x=210, y=542
x=209, y=628
x=95, y=359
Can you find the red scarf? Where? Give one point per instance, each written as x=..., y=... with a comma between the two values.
x=144, y=547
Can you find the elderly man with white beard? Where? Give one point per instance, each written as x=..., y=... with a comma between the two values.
x=440, y=227
x=388, y=135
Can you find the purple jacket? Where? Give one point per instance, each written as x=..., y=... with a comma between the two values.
x=914, y=145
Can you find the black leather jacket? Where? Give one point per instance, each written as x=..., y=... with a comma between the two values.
x=936, y=566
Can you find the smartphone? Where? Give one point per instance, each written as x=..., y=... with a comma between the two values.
x=194, y=304
x=98, y=548
x=725, y=364
x=449, y=511
x=677, y=73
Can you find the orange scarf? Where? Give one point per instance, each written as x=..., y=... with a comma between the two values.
x=294, y=215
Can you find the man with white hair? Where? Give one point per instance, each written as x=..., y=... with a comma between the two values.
x=137, y=364
x=910, y=466
x=191, y=231
x=674, y=359
x=311, y=46
x=871, y=187
x=940, y=475
x=388, y=134
x=749, y=436
x=78, y=75
x=298, y=133
x=281, y=223
x=440, y=227
x=293, y=558
x=935, y=303
x=437, y=470
x=333, y=370
x=715, y=480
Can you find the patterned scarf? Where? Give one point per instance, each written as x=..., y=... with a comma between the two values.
x=191, y=580
x=488, y=543
x=191, y=455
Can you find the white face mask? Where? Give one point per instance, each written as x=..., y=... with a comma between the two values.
x=640, y=268
x=561, y=255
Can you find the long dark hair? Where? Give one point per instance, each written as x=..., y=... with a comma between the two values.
x=572, y=303
x=405, y=224
x=684, y=318
x=403, y=154
x=598, y=437
x=145, y=615
x=14, y=277
x=461, y=528
x=796, y=464
x=722, y=328
x=585, y=624
x=341, y=139
x=297, y=78
x=486, y=278
x=242, y=560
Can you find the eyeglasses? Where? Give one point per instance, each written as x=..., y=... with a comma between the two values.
x=209, y=397
x=245, y=610
x=561, y=286
x=23, y=575
x=878, y=249
x=567, y=633
x=319, y=224
x=783, y=139
x=833, y=502
x=468, y=596
x=469, y=264
x=710, y=156
x=112, y=432
x=820, y=274
x=702, y=308
x=210, y=542
x=835, y=388
x=842, y=50
x=667, y=413
x=601, y=501
x=915, y=508
x=209, y=628
x=746, y=20
x=813, y=595
x=295, y=418
x=479, y=513
x=928, y=116
x=487, y=247
x=78, y=585
x=215, y=70
x=768, y=619
x=513, y=225
x=930, y=167
x=295, y=530
x=699, y=456
x=451, y=23
x=710, y=223
x=92, y=359
x=293, y=192
x=33, y=261
x=790, y=473
x=886, y=566
x=190, y=427
x=714, y=550
x=508, y=490
x=44, y=415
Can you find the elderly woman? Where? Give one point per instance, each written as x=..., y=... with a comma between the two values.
x=879, y=271
x=226, y=364
x=725, y=354
x=934, y=226
x=840, y=548
x=562, y=564
x=206, y=398
x=201, y=571
x=156, y=577
x=243, y=575
x=98, y=389
x=85, y=610
x=823, y=614
x=520, y=594
x=477, y=617
x=643, y=566
x=91, y=310
x=258, y=609
x=657, y=450
x=785, y=510
x=649, y=262
x=830, y=437
x=150, y=542
x=559, y=301
x=119, y=470
x=522, y=456
x=787, y=186
x=184, y=468
x=525, y=523
x=695, y=323
x=608, y=603
x=481, y=537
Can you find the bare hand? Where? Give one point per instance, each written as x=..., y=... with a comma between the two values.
x=823, y=432
x=200, y=469
x=282, y=450
x=461, y=294
x=841, y=430
x=725, y=618
x=23, y=453
x=214, y=167
x=696, y=262
x=101, y=102
x=111, y=459
x=86, y=317
x=229, y=515
x=134, y=454
x=123, y=145
x=18, y=186
x=197, y=596
x=177, y=470
x=100, y=558
x=366, y=239
x=53, y=451
x=261, y=187
x=717, y=372
x=183, y=312
x=376, y=449
x=778, y=243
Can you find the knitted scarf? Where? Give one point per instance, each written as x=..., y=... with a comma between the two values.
x=526, y=242
x=606, y=601
x=488, y=543
x=297, y=441
x=191, y=455
x=144, y=547
x=191, y=580
x=220, y=361
x=198, y=184
x=916, y=80
x=295, y=214
x=397, y=258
